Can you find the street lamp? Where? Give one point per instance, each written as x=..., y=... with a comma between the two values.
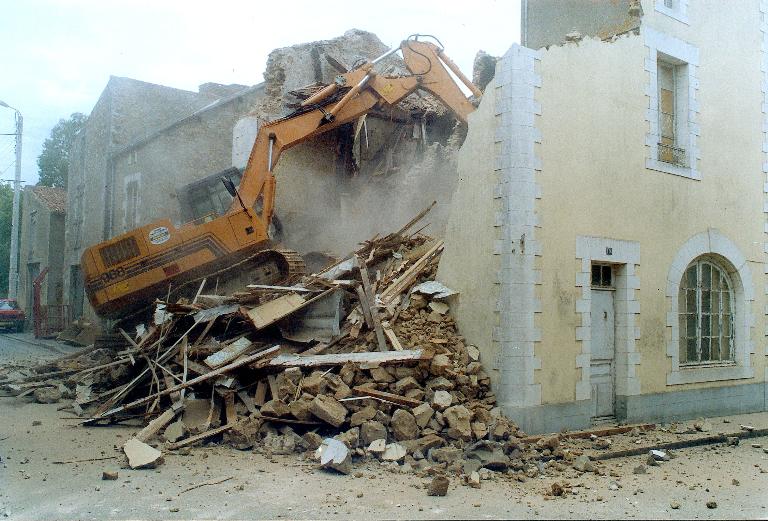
x=13, y=272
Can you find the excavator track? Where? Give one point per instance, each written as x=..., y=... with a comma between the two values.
x=275, y=267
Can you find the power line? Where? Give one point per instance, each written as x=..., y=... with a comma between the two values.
x=7, y=167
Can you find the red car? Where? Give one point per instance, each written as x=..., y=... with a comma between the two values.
x=11, y=317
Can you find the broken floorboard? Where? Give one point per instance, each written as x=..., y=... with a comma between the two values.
x=195, y=439
x=388, y=397
x=385, y=357
x=234, y=365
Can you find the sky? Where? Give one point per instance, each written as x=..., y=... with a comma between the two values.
x=56, y=56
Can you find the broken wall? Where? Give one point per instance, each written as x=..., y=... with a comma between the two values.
x=398, y=170
x=547, y=22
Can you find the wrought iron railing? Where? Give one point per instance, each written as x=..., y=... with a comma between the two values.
x=673, y=155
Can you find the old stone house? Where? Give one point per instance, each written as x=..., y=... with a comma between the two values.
x=141, y=146
x=612, y=193
x=40, y=246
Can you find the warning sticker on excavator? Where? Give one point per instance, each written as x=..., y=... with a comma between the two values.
x=159, y=235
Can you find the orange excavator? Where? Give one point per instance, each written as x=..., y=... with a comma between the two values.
x=126, y=273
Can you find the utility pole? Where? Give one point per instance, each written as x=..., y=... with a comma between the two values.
x=13, y=272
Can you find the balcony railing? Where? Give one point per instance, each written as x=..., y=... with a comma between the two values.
x=673, y=155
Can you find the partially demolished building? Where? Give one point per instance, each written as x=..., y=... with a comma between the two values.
x=604, y=232
x=612, y=191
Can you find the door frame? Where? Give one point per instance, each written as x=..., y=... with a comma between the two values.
x=625, y=257
x=611, y=290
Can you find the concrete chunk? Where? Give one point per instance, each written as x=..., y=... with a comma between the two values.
x=371, y=431
x=442, y=400
x=335, y=455
x=458, y=418
x=329, y=410
x=403, y=425
x=393, y=452
x=423, y=413
x=438, y=486
x=142, y=456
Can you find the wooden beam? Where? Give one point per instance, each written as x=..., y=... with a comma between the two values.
x=599, y=431
x=387, y=357
x=365, y=306
x=392, y=337
x=229, y=407
x=195, y=439
x=371, y=303
x=216, y=372
x=389, y=397
x=260, y=395
x=404, y=280
x=155, y=425
x=272, y=386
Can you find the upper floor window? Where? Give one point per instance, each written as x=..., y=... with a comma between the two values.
x=677, y=9
x=705, y=313
x=673, y=111
x=673, y=114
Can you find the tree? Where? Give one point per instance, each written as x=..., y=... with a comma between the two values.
x=53, y=161
x=6, y=211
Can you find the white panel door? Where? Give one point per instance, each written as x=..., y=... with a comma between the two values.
x=603, y=332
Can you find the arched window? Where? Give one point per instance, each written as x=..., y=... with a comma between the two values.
x=705, y=310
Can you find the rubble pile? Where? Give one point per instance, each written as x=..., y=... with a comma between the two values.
x=362, y=361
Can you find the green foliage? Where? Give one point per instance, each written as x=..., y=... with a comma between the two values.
x=53, y=161
x=6, y=213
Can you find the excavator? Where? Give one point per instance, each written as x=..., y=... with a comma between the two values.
x=126, y=273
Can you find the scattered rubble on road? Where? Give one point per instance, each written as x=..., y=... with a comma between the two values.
x=361, y=363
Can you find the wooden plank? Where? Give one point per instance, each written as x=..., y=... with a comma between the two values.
x=290, y=421
x=229, y=353
x=392, y=337
x=216, y=372
x=259, y=397
x=197, y=367
x=272, y=386
x=199, y=291
x=371, y=300
x=389, y=397
x=404, y=280
x=229, y=407
x=195, y=439
x=291, y=360
x=128, y=338
x=294, y=309
x=683, y=444
x=365, y=306
x=168, y=379
x=599, y=431
x=155, y=425
x=293, y=289
x=274, y=310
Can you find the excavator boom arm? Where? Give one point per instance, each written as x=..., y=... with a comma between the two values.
x=127, y=270
x=429, y=68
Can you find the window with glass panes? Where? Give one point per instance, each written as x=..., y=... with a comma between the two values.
x=706, y=314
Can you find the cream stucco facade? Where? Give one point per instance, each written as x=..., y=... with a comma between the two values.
x=578, y=176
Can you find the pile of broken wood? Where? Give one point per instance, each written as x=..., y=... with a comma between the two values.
x=362, y=360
